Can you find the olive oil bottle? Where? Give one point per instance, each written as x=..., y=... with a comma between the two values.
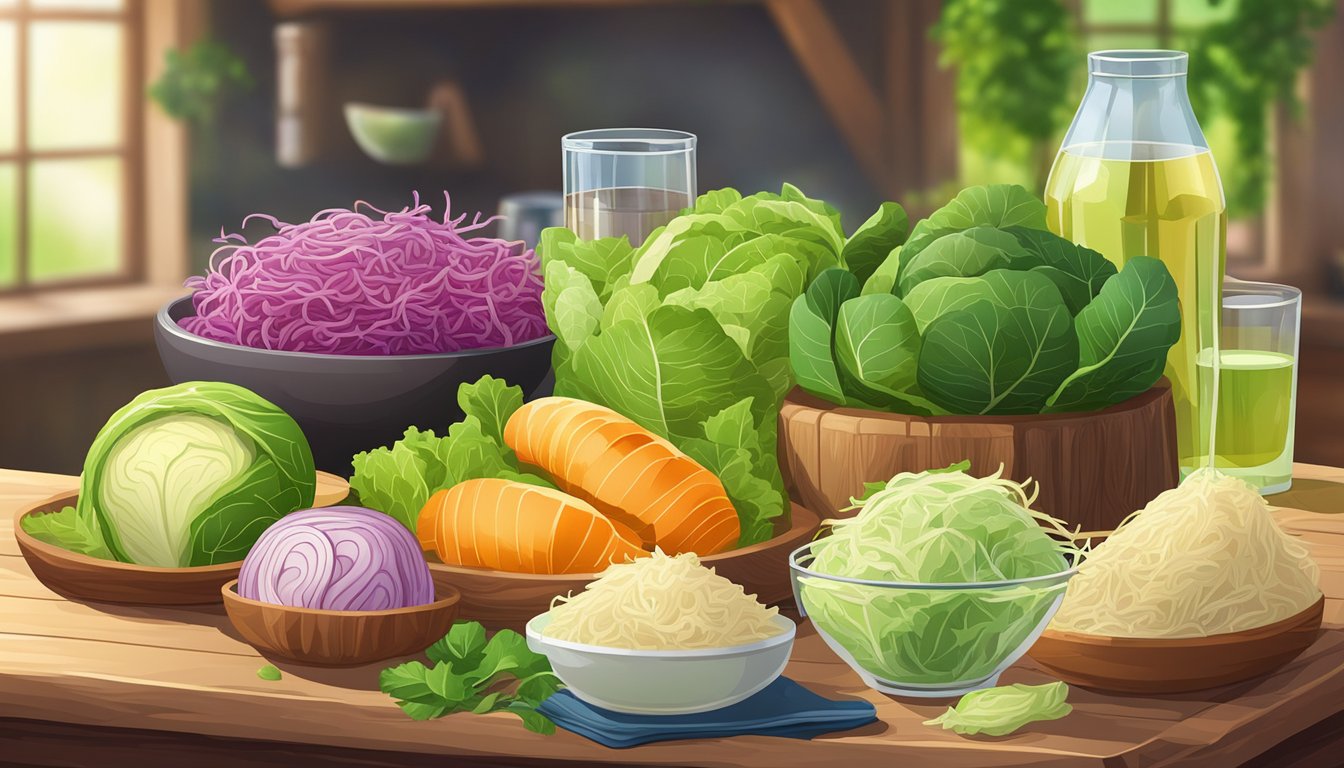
x=1135, y=178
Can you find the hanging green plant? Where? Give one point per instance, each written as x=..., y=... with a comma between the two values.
x=1241, y=67
x=1015, y=61
x=194, y=81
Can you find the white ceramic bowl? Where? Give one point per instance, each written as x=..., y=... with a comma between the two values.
x=664, y=682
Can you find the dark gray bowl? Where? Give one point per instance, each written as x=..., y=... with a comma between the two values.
x=347, y=403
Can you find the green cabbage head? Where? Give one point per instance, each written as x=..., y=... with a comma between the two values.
x=192, y=474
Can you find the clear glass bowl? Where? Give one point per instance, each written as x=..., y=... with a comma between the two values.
x=926, y=640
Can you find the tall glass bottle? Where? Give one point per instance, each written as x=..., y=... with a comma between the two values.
x=1134, y=177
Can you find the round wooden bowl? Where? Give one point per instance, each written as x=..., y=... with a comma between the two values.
x=110, y=581
x=1176, y=665
x=339, y=638
x=503, y=600
x=1094, y=469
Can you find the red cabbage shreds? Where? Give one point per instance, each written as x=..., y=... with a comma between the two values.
x=346, y=283
x=337, y=559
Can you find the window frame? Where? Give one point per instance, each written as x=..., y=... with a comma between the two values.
x=129, y=149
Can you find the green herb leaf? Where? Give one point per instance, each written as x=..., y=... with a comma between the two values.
x=538, y=687
x=532, y=719
x=462, y=648
x=71, y=530
x=466, y=665
x=269, y=672
x=1003, y=710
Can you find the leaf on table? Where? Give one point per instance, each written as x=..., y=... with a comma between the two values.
x=1003, y=710
x=462, y=648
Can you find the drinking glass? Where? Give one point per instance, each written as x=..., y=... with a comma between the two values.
x=626, y=181
x=1257, y=383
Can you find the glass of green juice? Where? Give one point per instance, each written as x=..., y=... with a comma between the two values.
x=1252, y=435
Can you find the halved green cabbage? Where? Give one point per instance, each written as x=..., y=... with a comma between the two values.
x=192, y=474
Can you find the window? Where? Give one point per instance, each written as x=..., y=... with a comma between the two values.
x=70, y=141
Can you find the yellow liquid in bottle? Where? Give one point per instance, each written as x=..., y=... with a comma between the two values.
x=1164, y=201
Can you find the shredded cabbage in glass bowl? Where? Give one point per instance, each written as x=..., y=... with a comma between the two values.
x=939, y=583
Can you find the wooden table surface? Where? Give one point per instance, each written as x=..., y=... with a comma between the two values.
x=87, y=684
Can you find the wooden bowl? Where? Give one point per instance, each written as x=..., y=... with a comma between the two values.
x=1093, y=468
x=503, y=600
x=109, y=581
x=339, y=638
x=1176, y=665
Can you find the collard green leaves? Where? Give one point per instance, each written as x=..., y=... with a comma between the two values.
x=967, y=253
x=1078, y=272
x=812, y=333
x=877, y=343
x=1007, y=318
x=1135, y=315
x=991, y=358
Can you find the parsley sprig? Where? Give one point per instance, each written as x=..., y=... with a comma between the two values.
x=473, y=674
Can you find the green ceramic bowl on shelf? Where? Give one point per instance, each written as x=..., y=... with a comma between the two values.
x=393, y=135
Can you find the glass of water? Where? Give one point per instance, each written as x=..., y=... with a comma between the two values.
x=1257, y=383
x=626, y=181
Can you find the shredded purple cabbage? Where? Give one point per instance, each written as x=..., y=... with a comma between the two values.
x=347, y=283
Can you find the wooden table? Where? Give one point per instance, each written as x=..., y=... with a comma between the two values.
x=85, y=684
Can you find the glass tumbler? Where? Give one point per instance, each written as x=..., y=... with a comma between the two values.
x=1257, y=383
x=626, y=181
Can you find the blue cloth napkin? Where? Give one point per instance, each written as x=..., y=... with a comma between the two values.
x=783, y=708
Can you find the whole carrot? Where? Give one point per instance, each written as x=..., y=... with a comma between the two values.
x=511, y=526
x=627, y=473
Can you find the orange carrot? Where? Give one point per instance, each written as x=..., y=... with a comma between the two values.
x=512, y=526
x=627, y=473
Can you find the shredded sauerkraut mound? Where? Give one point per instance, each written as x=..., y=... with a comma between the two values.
x=661, y=603
x=1202, y=559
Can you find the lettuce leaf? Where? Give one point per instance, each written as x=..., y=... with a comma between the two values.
x=397, y=480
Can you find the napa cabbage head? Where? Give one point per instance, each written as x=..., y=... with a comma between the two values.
x=192, y=474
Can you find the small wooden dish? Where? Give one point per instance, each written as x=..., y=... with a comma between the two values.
x=1176, y=665
x=339, y=638
x=503, y=600
x=110, y=581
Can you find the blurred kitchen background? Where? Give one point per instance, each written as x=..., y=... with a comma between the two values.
x=133, y=131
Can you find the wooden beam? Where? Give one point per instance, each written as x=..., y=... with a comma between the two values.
x=920, y=115
x=844, y=91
